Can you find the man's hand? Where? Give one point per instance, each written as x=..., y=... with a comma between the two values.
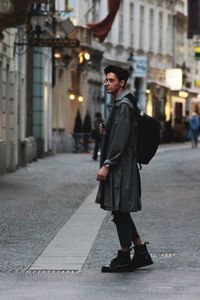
x=102, y=173
x=101, y=129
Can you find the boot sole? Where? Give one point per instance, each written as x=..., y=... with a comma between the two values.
x=142, y=266
x=108, y=269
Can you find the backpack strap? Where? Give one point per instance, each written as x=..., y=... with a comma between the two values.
x=133, y=102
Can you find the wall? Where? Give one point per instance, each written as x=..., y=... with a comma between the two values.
x=8, y=112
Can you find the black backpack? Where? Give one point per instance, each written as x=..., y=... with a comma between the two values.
x=148, y=134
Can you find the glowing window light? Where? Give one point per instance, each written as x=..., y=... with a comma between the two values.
x=71, y=96
x=80, y=99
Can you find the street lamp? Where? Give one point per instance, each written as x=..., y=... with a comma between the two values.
x=83, y=55
x=34, y=29
x=41, y=30
x=38, y=19
x=80, y=98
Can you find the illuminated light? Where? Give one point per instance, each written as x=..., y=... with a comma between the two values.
x=71, y=96
x=168, y=109
x=197, y=82
x=81, y=57
x=87, y=56
x=57, y=55
x=183, y=94
x=174, y=79
x=80, y=99
x=148, y=91
x=149, y=107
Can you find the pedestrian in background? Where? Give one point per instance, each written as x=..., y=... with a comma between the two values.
x=194, y=125
x=119, y=188
x=96, y=135
x=186, y=124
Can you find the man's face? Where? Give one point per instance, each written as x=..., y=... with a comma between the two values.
x=113, y=85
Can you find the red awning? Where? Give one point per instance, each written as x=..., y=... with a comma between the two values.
x=102, y=28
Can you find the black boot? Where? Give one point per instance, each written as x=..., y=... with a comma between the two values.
x=119, y=264
x=141, y=257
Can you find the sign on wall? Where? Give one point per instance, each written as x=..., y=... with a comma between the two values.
x=140, y=66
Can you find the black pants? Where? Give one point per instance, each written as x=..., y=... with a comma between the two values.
x=126, y=228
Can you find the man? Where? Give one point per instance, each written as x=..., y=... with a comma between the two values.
x=119, y=188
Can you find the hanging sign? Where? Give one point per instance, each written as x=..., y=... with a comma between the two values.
x=139, y=66
x=57, y=43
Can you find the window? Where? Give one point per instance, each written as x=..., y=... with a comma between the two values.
x=160, y=26
x=131, y=24
x=141, y=37
x=109, y=36
x=170, y=34
x=151, y=27
x=95, y=10
x=121, y=25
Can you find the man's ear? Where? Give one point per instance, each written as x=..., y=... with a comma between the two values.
x=122, y=83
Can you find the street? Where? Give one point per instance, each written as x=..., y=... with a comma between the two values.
x=41, y=204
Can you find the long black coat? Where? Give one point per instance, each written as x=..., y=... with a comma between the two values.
x=121, y=191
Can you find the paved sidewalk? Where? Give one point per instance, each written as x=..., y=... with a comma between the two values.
x=36, y=201
x=64, y=251
x=41, y=203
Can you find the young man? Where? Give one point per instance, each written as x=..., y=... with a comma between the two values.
x=119, y=188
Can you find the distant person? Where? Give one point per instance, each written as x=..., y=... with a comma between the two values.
x=119, y=187
x=96, y=135
x=187, y=126
x=194, y=125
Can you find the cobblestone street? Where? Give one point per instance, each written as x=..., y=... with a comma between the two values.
x=36, y=201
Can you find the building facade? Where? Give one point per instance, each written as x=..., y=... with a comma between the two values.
x=25, y=101
x=149, y=38
x=9, y=88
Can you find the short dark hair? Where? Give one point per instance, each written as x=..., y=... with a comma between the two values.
x=122, y=74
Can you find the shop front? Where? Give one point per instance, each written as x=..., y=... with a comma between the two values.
x=172, y=109
x=158, y=105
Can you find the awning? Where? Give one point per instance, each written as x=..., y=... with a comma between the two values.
x=162, y=84
x=159, y=83
x=14, y=13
